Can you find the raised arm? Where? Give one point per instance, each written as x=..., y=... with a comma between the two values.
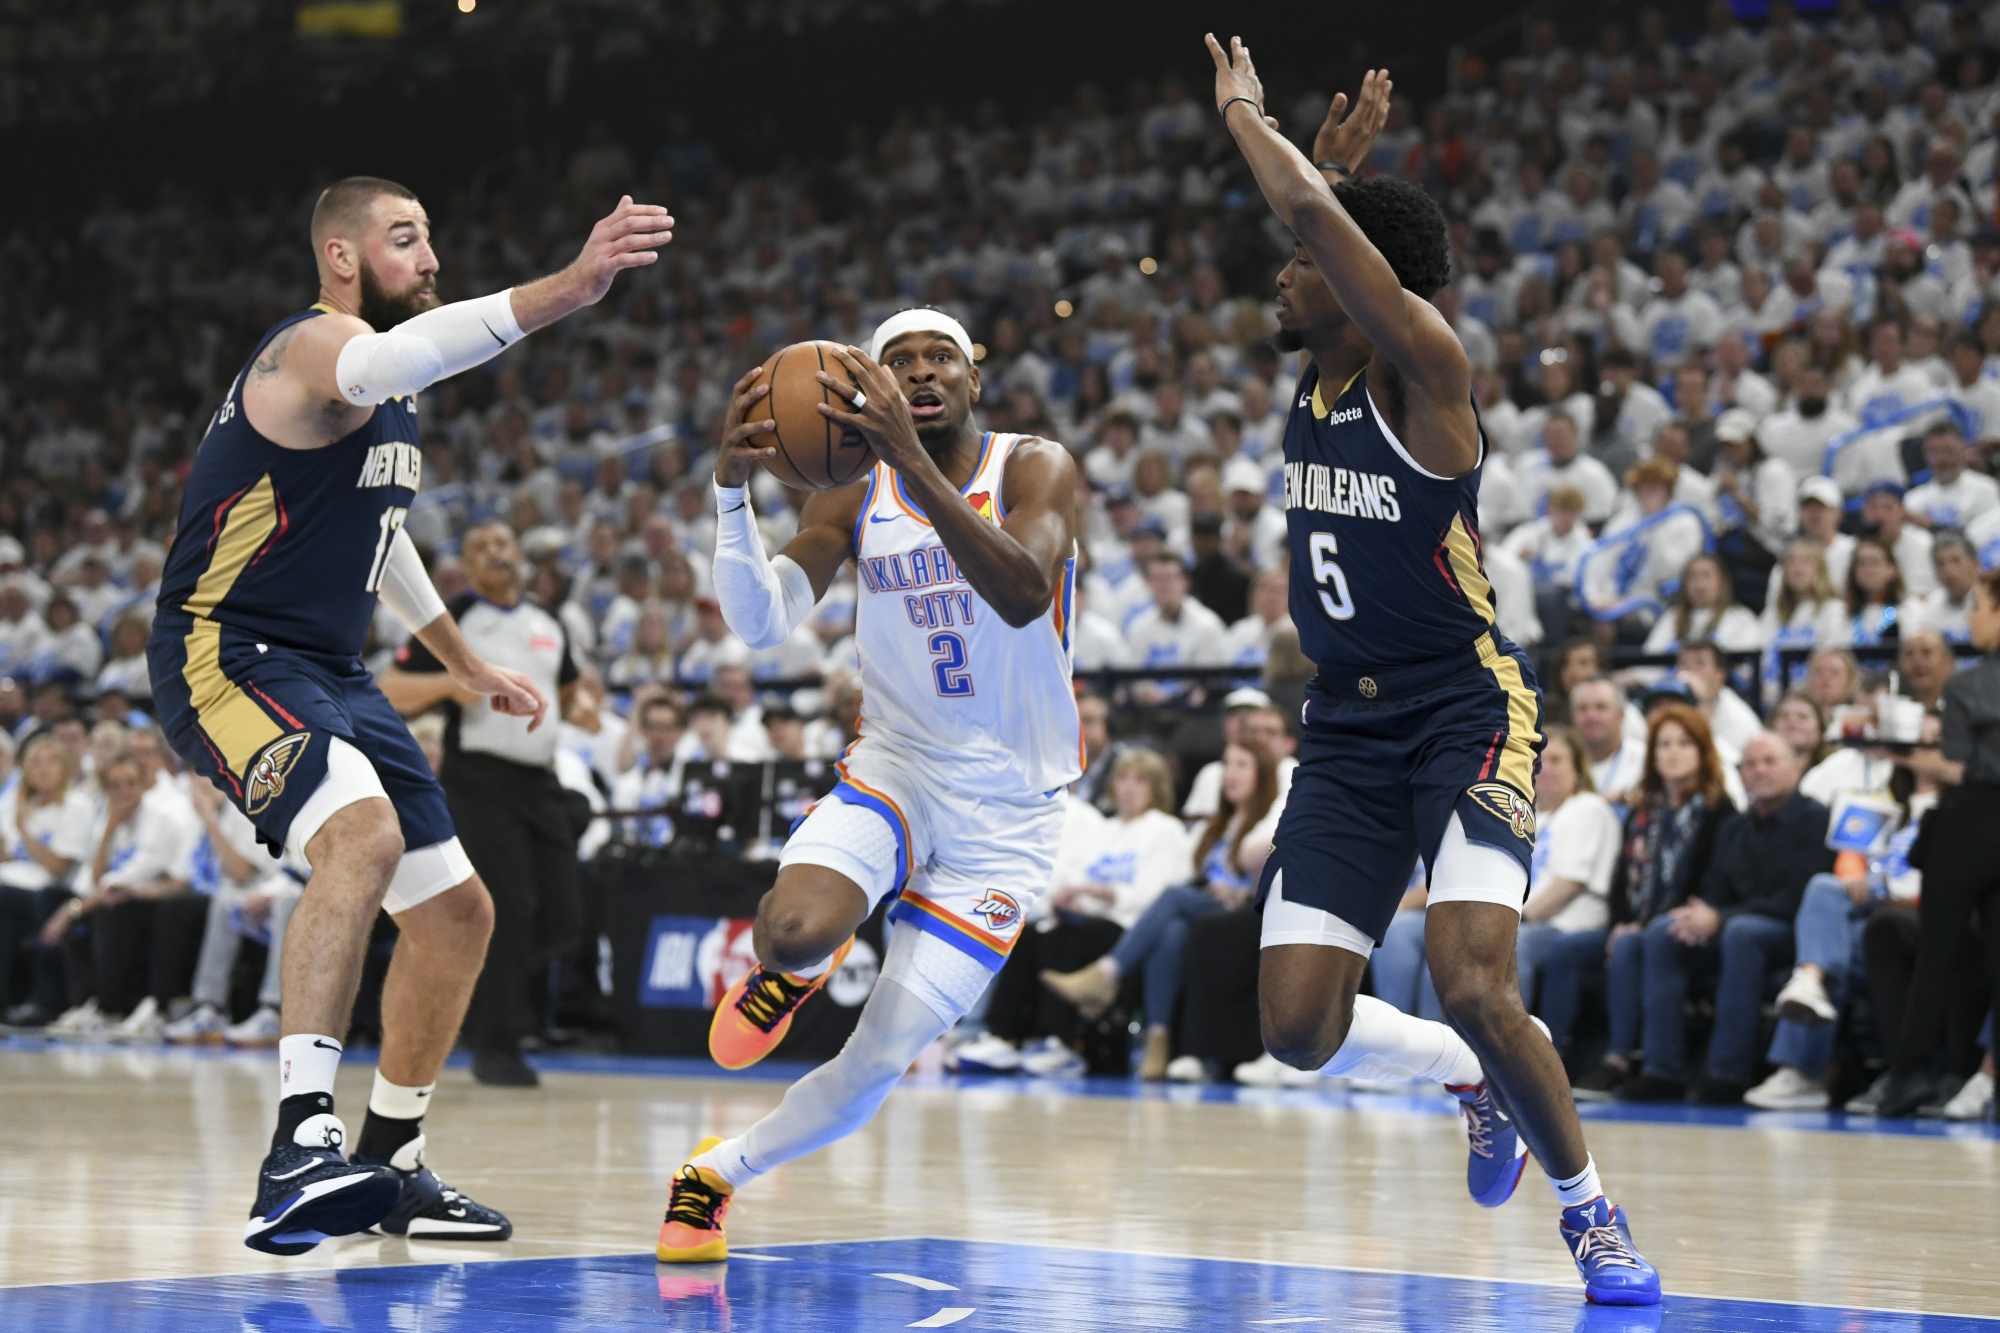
x=319, y=379
x=1405, y=329
x=1016, y=565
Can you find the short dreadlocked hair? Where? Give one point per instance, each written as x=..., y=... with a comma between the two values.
x=1405, y=224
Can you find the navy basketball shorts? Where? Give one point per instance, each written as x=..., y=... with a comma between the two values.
x=1442, y=771
x=292, y=737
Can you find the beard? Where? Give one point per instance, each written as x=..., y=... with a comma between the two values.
x=383, y=310
x=1811, y=407
x=1288, y=340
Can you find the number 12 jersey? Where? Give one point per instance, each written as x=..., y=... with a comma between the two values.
x=287, y=545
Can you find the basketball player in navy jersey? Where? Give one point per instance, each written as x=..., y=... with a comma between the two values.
x=291, y=529
x=1422, y=730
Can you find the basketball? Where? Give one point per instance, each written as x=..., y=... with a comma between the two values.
x=814, y=454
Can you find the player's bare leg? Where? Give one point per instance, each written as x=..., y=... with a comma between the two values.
x=307, y=1190
x=802, y=933
x=1471, y=950
x=440, y=948
x=1470, y=946
x=808, y=913
x=354, y=856
x=1313, y=1018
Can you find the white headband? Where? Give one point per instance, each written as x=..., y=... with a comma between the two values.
x=922, y=319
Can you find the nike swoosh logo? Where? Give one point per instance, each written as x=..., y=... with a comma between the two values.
x=883, y=518
x=295, y=1171
x=457, y=1212
x=326, y=1045
x=496, y=337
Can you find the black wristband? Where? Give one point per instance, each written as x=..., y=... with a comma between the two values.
x=1340, y=167
x=1223, y=110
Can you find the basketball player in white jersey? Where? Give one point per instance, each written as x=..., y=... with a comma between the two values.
x=949, y=802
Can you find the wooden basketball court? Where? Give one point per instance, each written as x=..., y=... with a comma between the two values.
x=125, y=1177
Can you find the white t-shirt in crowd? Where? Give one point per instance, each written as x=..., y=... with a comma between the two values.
x=1801, y=441
x=1194, y=638
x=1579, y=842
x=63, y=828
x=1955, y=504
x=1137, y=860
x=1736, y=630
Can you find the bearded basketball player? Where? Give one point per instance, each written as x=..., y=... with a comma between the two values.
x=291, y=529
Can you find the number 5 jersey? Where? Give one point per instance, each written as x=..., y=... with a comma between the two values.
x=945, y=681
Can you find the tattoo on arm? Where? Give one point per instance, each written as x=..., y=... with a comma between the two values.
x=272, y=358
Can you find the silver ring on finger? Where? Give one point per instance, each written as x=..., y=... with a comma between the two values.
x=858, y=401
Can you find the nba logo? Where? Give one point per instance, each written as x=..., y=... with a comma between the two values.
x=1000, y=912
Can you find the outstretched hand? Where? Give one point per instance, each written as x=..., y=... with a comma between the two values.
x=629, y=237
x=1348, y=141
x=1235, y=76
x=506, y=691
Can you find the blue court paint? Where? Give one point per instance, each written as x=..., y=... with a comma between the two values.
x=866, y=1285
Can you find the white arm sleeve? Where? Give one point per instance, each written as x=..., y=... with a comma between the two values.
x=762, y=600
x=406, y=588
x=375, y=367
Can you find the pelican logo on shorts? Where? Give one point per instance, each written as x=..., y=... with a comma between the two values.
x=265, y=782
x=1369, y=689
x=998, y=910
x=1512, y=808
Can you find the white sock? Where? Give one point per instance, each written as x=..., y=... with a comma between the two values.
x=837, y=1098
x=1579, y=1189
x=1384, y=1042
x=306, y=1064
x=398, y=1102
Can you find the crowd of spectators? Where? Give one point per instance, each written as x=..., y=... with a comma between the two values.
x=1729, y=295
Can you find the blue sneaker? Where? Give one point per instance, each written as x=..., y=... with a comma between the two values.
x=1498, y=1156
x=307, y=1192
x=1601, y=1243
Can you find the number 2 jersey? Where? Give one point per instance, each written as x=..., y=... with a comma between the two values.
x=286, y=546
x=944, y=680
x=1386, y=570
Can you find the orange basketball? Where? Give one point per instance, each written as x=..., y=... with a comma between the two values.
x=814, y=453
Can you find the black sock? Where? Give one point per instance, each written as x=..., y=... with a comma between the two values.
x=382, y=1137
x=298, y=1108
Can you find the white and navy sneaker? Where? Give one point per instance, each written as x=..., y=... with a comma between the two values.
x=308, y=1192
x=429, y=1209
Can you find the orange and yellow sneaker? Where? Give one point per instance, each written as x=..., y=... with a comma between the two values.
x=692, y=1230
x=756, y=1012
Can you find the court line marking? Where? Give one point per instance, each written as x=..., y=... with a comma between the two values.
x=1293, y=1319
x=1542, y=1284
x=763, y=1258
x=951, y=1314
x=927, y=1283
x=357, y=1241
x=1546, y=1285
